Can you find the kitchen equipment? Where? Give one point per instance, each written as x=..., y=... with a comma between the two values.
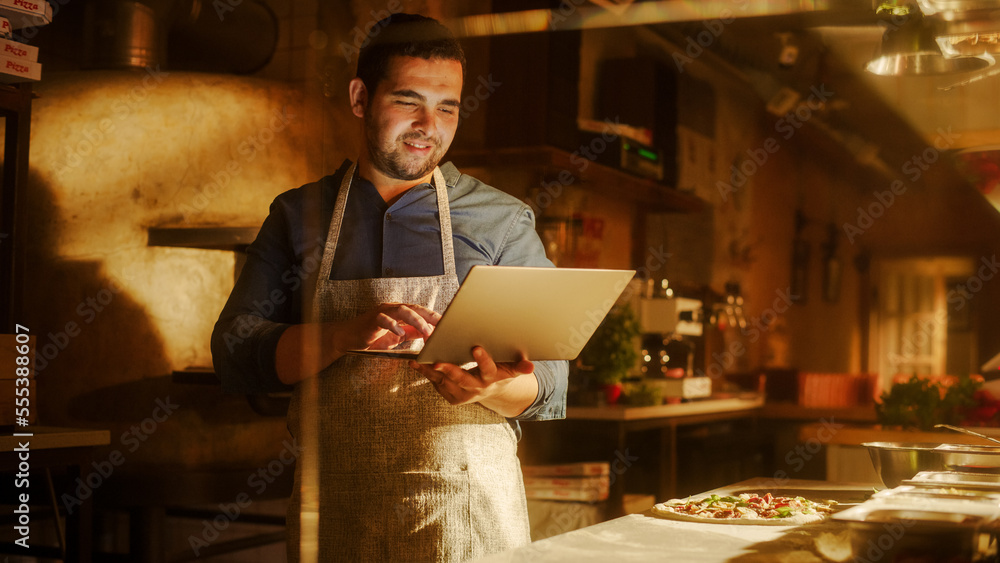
x=935, y=493
x=964, y=479
x=971, y=459
x=911, y=49
x=897, y=461
x=883, y=530
x=967, y=431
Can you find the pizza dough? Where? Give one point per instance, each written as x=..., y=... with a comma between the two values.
x=745, y=509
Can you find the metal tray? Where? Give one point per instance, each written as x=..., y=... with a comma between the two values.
x=934, y=490
x=989, y=481
x=930, y=498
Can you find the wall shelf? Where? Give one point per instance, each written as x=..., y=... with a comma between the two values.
x=212, y=237
x=555, y=164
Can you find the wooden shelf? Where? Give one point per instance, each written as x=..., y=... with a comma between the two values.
x=207, y=237
x=555, y=164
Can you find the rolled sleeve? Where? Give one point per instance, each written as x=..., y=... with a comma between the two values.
x=523, y=247
x=550, y=404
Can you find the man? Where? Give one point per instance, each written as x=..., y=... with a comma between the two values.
x=417, y=462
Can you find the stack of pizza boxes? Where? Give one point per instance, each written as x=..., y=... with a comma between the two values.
x=579, y=482
x=20, y=19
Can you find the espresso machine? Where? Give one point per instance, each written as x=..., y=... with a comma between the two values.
x=671, y=336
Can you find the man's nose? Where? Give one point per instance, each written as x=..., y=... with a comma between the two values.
x=422, y=120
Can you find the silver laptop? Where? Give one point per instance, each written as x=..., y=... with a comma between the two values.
x=540, y=313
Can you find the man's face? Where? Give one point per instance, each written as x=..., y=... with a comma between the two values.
x=412, y=116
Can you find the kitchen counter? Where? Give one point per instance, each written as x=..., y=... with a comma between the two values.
x=644, y=537
x=612, y=431
x=706, y=406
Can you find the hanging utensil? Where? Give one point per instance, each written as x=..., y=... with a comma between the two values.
x=966, y=431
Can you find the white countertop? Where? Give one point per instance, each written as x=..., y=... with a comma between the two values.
x=643, y=537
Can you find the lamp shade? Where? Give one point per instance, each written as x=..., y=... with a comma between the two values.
x=911, y=50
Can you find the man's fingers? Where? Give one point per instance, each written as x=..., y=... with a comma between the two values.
x=429, y=315
x=523, y=367
x=420, y=318
x=455, y=375
x=491, y=371
x=387, y=322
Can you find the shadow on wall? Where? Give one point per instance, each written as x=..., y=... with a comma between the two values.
x=101, y=363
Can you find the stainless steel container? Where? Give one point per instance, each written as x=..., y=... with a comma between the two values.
x=896, y=461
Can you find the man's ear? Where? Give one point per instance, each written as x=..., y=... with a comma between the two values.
x=359, y=96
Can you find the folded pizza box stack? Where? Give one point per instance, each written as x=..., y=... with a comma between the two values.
x=19, y=61
x=579, y=482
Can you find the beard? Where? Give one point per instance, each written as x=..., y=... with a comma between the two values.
x=389, y=157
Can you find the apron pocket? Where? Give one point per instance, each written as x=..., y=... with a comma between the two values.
x=416, y=516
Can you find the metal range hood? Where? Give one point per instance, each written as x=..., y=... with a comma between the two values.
x=193, y=35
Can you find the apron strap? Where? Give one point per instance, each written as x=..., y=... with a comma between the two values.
x=444, y=214
x=444, y=211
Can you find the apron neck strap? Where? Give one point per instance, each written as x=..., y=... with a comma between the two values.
x=444, y=214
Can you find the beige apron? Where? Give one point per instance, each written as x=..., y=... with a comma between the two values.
x=403, y=475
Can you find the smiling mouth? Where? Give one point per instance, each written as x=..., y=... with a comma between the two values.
x=417, y=145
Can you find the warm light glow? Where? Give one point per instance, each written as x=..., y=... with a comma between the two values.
x=569, y=16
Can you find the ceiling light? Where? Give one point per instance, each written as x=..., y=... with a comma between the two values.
x=911, y=50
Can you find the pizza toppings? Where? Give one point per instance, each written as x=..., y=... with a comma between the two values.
x=748, y=506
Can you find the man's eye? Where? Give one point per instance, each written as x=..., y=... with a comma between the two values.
x=403, y=103
x=449, y=111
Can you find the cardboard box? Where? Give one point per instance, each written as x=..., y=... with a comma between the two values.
x=18, y=70
x=17, y=50
x=578, y=495
x=578, y=469
x=26, y=13
x=600, y=482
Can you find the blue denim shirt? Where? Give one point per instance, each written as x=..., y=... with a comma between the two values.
x=489, y=227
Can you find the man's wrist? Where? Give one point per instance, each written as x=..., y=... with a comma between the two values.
x=511, y=397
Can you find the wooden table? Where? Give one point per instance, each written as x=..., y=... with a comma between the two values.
x=57, y=447
x=645, y=537
x=666, y=418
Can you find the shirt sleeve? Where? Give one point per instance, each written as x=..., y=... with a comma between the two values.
x=523, y=247
x=264, y=302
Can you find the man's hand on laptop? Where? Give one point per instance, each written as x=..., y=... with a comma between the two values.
x=385, y=326
x=497, y=386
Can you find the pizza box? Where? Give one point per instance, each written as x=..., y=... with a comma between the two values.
x=5, y=28
x=18, y=50
x=18, y=70
x=579, y=469
x=563, y=493
x=26, y=13
x=600, y=482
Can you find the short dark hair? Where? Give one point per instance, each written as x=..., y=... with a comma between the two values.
x=406, y=35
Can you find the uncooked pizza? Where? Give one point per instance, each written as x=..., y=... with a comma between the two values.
x=746, y=508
